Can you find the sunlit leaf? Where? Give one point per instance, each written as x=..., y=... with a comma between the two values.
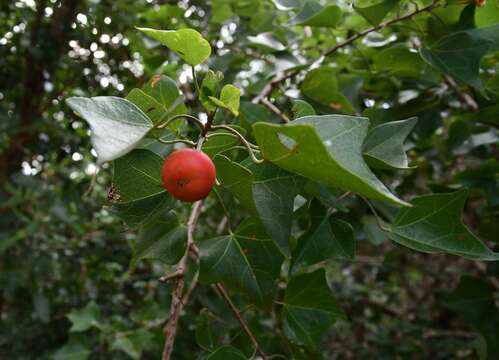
x=187, y=43
x=117, y=125
x=229, y=99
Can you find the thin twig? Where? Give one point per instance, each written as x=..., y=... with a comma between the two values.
x=178, y=301
x=237, y=314
x=379, y=27
x=466, y=98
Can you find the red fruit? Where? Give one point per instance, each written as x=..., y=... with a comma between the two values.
x=188, y=174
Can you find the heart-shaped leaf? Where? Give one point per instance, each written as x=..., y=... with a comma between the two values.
x=117, y=124
x=187, y=43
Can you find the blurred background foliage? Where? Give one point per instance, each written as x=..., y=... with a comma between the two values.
x=65, y=289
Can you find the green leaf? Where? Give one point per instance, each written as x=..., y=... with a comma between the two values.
x=488, y=14
x=237, y=179
x=267, y=41
x=474, y=298
x=313, y=14
x=226, y=353
x=384, y=145
x=85, y=318
x=274, y=191
x=138, y=193
x=326, y=239
x=374, y=234
x=134, y=343
x=160, y=99
x=400, y=60
x=210, y=330
x=142, y=211
x=137, y=175
x=73, y=350
x=433, y=224
x=187, y=43
x=459, y=54
x=309, y=309
x=245, y=261
x=209, y=87
x=117, y=124
x=321, y=85
x=375, y=14
x=229, y=99
x=326, y=149
x=163, y=239
x=302, y=108
x=264, y=190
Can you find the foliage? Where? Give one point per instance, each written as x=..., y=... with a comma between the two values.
x=356, y=157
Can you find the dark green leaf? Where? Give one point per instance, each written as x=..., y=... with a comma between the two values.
x=163, y=239
x=326, y=239
x=474, y=298
x=226, y=353
x=433, y=224
x=309, y=309
x=85, y=318
x=139, y=195
x=73, y=350
x=459, y=54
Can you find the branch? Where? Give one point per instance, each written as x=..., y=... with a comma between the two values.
x=178, y=301
x=239, y=318
x=281, y=77
x=466, y=98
